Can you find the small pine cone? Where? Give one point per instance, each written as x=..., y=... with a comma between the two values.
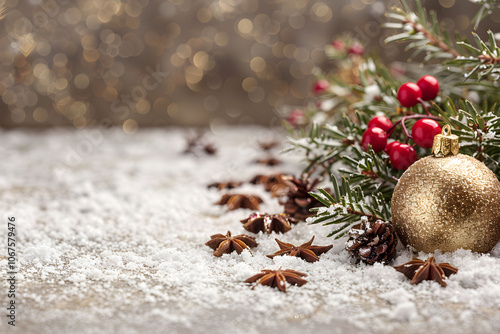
x=372, y=242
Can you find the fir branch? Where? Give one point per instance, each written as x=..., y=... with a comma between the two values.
x=369, y=171
x=484, y=61
x=481, y=61
x=425, y=34
x=433, y=39
x=347, y=205
x=326, y=144
x=478, y=130
x=486, y=9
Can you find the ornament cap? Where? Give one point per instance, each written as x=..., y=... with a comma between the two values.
x=445, y=144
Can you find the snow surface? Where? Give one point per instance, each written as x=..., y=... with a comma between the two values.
x=111, y=238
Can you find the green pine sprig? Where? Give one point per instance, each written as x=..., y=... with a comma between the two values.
x=487, y=8
x=423, y=31
x=478, y=129
x=347, y=206
x=483, y=62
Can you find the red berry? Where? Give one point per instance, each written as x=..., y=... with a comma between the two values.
x=356, y=48
x=338, y=44
x=380, y=122
x=403, y=156
x=423, y=132
x=408, y=94
x=376, y=137
x=296, y=117
x=390, y=146
x=321, y=86
x=429, y=87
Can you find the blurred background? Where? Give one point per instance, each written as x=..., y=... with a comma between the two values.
x=140, y=63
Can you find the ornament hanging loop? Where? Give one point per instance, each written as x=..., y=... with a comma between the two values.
x=445, y=144
x=446, y=130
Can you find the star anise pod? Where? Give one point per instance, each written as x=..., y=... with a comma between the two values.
x=418, y=270
x=237, y=201
x=224, y=185
x=267, y=223
x=225, y=244
x=271, y=183
x=266, y=146
x=304, y=251
x=277, y=278
x=196, y=145
x=268, y=161
x=209, y=148
x=296, y=196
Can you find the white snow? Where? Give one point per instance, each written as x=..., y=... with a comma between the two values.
x=371, y=92
x=111, y=235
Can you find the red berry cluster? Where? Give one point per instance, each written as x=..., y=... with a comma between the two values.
x=426, y=89
x=423, y=131
x=401, y=155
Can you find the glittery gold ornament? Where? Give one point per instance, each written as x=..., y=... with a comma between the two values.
x=447, y=201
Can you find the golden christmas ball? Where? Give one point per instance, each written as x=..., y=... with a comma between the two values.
x=447, y=201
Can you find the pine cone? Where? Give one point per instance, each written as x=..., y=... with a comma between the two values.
x=372, y=242
x=297, y=199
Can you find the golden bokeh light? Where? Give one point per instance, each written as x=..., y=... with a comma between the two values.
x=245, y=26
x=234, y=60
x=143, y=107
x=130, y=126
x=40, y=115
x=258, y=64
